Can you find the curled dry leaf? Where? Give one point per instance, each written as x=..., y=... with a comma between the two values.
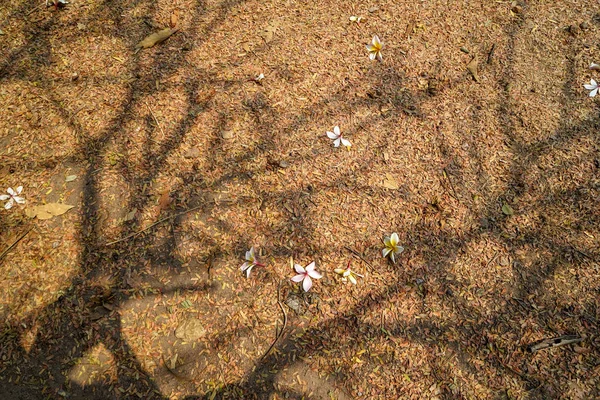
x=48, y=211
x=174, y=19
x=156, y=38
x=472, y=68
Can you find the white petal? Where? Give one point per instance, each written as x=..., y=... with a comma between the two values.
x=337, y=131
x=336, y=142
x=376, y=40
x=11, y=192
x=298, y=278
x=386, y=251
x=594, y=92
x=332, y=135
x=595, y=66
x=310, y=267
x=19, y=189
x=392, y=257
x=379, y=56
x=248, y=271
x=372, y=55
x=399, y=249
x=593, y=82
x=314, y=275
x=394, y=239
x=9, y=204
x=339, y=271
x=19, y=200
x=307, y=284
x=244, y=266
x=4, y=197
x=589, y=87
x=346, y=142
x=299, y=269
x=352, y=279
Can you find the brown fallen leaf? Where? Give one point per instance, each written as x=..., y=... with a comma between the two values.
x=472, y=68
x=390, y=182
x=155, y=38
x=48, y=211
x=165, y=200
x=174, y=18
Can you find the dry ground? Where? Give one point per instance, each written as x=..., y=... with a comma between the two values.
x=183, y=126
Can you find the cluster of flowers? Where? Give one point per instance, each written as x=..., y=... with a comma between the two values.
x=308, y=273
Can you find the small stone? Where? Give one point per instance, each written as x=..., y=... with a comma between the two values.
x=190, y=330
x=74, y=76
x=584, y=25
x=373, y=9
x=192, y=153
x=284, y=164
x=227, y=135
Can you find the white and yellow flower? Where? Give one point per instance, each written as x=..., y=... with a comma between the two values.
x=392, y=248
x=375, y=48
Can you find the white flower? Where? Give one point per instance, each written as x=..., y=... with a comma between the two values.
x=356, y=19
x=347, y=274
x=305, y=275
x=251, y=261
x=12, y=197
x=337, y=138
x=593, y=86
x=391, y=247
x=594, y=66
x=375, y=48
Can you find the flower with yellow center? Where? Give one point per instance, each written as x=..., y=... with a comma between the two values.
x=391, y=247
x=375, y=49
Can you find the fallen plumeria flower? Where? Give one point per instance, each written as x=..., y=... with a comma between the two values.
x=391, y=247
x=595, y=67
x=305, y=275
x=347, y=274
x=375, y=49
x=337, y=138
x=12, y=197
x=356, y=19
x=56, y=3
x=251, y=261
x=593, y=86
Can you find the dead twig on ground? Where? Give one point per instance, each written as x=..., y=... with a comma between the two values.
x=155, y=119
x=5, y=252
x=152, y=225
x=553, y=342
x=357, y=254
x=280, y=333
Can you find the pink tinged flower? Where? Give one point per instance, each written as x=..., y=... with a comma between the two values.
x=392, y=248
x=306, y=275
x=347, y=274
x=337, y=138
x=375, y=48
x=251, y=261
x=12, y=197
x=593, y=86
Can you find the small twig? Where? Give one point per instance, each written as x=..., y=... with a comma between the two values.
x=491, y=53
x=357, y=254
x=155, y=119
x=152, y=225
x=15, y=243
x=280, y=333
x=554, y=342
x=447, y=176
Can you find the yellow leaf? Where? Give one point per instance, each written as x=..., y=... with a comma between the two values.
x=156, y=38
x=48, y=211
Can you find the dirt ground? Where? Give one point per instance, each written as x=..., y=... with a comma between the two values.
x=177, y=160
